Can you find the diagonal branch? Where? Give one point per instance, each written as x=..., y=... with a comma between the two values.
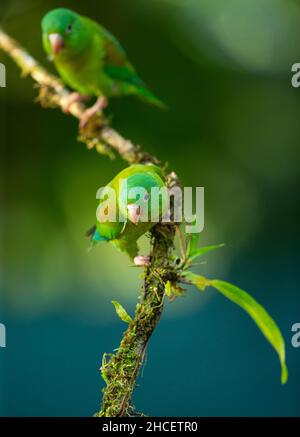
x=122, y=369
x=53, y=93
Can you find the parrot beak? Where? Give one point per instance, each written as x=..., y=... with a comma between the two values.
x=57, y=42
x=134, y=212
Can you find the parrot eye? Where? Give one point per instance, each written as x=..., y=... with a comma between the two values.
x=69, y=28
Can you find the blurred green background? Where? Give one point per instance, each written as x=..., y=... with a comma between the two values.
x=223, y=67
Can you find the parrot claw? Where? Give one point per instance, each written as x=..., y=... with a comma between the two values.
x=71, y=99
x=141, y=261
x=90, y=112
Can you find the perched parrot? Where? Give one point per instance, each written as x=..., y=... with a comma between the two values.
x=91, y=61
x=128, y=227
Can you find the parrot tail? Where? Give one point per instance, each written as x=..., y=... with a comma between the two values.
x=147, y=96
x=90, y=233
x=94, y=236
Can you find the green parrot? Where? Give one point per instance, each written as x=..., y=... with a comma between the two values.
x=91, y=61
x=120, y=211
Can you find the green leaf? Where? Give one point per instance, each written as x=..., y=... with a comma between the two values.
x=199, y=281
x=260, y=316
x=121, y=312
x=204, y=250
x=168, y=289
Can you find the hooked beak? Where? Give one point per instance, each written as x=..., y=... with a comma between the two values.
x=134, y=212
x=57, y=42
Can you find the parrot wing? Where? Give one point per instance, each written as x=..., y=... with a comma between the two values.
x=117, y=67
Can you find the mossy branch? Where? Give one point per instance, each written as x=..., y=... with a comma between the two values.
x=121, y=371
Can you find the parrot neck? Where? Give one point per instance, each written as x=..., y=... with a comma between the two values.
x=77, y=57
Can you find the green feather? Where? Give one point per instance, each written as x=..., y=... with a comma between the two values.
x=124, y=236
x=92, y=61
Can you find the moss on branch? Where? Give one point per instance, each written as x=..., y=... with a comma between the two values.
x=121, y=371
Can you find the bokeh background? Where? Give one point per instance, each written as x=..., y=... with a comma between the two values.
x=223, y=67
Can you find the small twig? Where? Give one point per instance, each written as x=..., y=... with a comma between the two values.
x=181, y=242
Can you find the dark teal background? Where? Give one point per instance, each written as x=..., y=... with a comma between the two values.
x=223, y=68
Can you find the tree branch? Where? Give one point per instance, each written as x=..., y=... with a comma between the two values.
x=53, y=93
x=122, y=369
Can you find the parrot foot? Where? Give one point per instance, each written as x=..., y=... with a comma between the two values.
x=90, y=112
x=71, y=99
x=141, y=261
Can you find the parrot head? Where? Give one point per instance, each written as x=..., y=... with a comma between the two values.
x=65, y=33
